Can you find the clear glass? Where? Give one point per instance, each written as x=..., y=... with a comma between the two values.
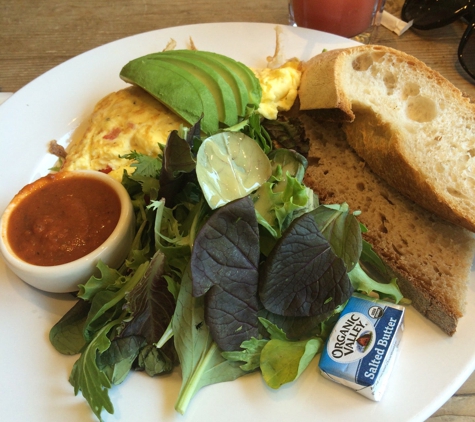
x=357, y=19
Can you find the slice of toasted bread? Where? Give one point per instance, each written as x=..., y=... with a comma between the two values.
x=410, y=125
x=430, y=257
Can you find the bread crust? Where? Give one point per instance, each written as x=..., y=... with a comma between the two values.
x=321, y=90
x=405, y=152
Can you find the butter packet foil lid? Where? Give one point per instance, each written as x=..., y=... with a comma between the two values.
x=362, y=347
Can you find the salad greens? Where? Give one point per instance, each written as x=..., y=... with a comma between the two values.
x=252, y=282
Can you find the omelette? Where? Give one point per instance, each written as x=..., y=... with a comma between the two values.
x=124, y=121
x=132, y=120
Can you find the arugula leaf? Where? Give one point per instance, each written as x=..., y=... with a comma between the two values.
x=302, y=276
x=289, y=161
x=88, y=378
x=256, y=131
x=372, y=262
x=200, y=358
x=224, y=265
x=175, y=230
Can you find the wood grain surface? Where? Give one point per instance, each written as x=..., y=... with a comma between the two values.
x=37, y=35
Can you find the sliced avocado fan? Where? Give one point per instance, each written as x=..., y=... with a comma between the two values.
x=197, y=84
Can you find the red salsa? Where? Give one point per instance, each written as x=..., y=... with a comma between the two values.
x=60, y=219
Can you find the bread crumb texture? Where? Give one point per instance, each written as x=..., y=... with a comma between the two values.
x=431, y=257
x=411, y=126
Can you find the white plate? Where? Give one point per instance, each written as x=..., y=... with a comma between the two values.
x=34, y=383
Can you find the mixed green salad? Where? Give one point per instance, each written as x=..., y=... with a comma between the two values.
x=235, y=268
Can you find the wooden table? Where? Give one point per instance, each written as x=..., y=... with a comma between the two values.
x=36, y=36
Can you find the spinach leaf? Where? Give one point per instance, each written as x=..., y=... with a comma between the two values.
x=280, y=360
x=118, y=359
x=342, y=230
x=298, y=328
x=67, y=334
x=302, y=275
x=178, y=163
x=283, y=361
x=154, y=361
x=224, y=265
x=200, y=358
x=177, y=156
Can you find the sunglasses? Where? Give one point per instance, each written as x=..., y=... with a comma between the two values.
x=431, y=14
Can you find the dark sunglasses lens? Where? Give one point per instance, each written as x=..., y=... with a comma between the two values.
x=428, y=14
x=467, y=50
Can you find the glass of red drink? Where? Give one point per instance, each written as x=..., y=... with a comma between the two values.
x=348, y=18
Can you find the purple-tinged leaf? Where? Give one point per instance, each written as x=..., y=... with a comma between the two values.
x=151, y=305
x=302, y=276
x=224, y=265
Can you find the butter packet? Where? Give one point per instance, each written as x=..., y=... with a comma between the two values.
x=362, y=347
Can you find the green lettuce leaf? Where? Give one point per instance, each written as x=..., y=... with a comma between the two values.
x=363, y=283
x=283, y=197
x=200, y=358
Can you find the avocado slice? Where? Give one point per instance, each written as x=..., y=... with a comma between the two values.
x=245, y=74
x=177, y=88
x=222, y=92
x=237, y=85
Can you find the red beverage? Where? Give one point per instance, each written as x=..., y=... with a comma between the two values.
x=342, y=17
